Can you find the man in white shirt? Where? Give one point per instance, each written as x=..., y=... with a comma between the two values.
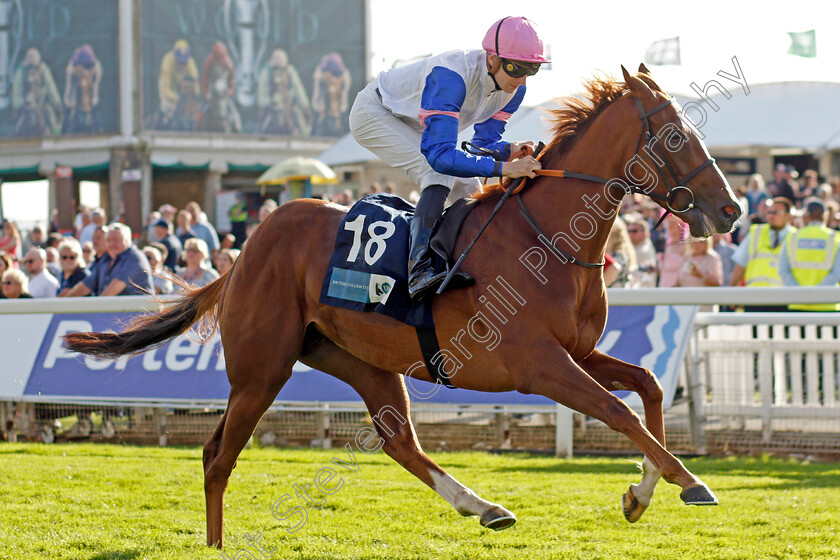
x=42, y=284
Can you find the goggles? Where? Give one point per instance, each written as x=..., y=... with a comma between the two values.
x=516, y=69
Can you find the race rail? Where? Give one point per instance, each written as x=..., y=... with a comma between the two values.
x=615, y=296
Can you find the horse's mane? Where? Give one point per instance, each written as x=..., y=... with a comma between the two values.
x=571, y=118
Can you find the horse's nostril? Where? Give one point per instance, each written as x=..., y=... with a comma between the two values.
x=730, y=211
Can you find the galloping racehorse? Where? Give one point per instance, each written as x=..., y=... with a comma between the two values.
x=268, y=311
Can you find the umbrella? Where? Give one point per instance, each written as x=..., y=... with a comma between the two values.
x=298, y=169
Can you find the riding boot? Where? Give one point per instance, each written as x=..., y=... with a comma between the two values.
x=422, y=277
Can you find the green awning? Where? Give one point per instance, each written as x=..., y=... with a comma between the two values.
x=91, y=171
x=255, y=168
x=21, y=174
x=178, y=166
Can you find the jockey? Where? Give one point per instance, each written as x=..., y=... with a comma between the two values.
x=177, y=66
x=410, y=117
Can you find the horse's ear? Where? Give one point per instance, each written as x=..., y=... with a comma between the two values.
x=625, y=73
x=637, y=86
x=643, y=68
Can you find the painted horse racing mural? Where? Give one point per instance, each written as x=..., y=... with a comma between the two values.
x=267, y=307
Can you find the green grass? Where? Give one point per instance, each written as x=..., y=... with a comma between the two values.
x=109, y=502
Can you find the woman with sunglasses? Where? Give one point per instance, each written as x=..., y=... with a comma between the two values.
x=72, y=264
x=15, y=285
x=410, y=117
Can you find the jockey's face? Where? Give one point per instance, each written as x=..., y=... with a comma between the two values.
x=505, y=81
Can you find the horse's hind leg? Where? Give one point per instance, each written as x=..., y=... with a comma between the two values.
x=387, y=401
x=246, y=405
x=211, y=448
x=614, y=374
x=568, y=384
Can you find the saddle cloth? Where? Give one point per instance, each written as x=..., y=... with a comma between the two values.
x=368, y=270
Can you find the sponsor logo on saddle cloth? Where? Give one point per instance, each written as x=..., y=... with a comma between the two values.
x=369, y=265
x=363, y=287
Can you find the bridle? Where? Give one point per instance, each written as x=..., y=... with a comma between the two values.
x=669, y=198
x=646, y=133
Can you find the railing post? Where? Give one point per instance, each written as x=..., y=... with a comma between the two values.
x=696, y=394
x=765, y=387
x=163, y=428
x=503, y=429
x=564, y=432
x=323, y=420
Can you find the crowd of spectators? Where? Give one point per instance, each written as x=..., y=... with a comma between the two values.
x=176, y=246
x=180, y=246
x=757, y=253
x=102, y=259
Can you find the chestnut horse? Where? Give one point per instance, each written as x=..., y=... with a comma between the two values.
x=268, y=310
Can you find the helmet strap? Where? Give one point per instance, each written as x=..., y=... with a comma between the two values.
x=491, y=72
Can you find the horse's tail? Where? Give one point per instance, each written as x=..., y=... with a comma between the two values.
x=155, y=329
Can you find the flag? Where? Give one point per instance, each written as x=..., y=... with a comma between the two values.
x=666, y=51
x=803, y=43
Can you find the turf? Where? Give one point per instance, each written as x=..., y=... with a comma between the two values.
x=109, y=502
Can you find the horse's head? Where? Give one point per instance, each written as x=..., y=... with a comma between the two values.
x=672, y=165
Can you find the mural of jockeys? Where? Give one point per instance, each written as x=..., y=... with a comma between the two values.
x=11, y=30
x=81, y=92
x=282, y=99
x=329, y=96
x=178, y=87
x=218, y=87
x=35, y=100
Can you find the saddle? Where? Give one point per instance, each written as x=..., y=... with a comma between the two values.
x=368, y=269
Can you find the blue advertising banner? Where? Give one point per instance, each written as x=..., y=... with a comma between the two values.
x=184, y=370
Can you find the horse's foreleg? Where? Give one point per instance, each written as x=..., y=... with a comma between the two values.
x=387, y=401
x=614, y=374
x=568, y=384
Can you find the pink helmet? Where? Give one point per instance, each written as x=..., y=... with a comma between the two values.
x=514, y=38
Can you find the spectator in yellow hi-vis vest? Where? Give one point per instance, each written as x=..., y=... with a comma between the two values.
x=238, y=215
x=809, y=257
x=756, y=259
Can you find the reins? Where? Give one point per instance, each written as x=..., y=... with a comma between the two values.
x=647, y=133
x=515, y=187
x=564, y=256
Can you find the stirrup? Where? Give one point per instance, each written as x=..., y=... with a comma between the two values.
x=424, y=283
x=432, y=281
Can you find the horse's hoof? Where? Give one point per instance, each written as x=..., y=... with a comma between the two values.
x=633, y=509
x=699, y=496
x=497, y=518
